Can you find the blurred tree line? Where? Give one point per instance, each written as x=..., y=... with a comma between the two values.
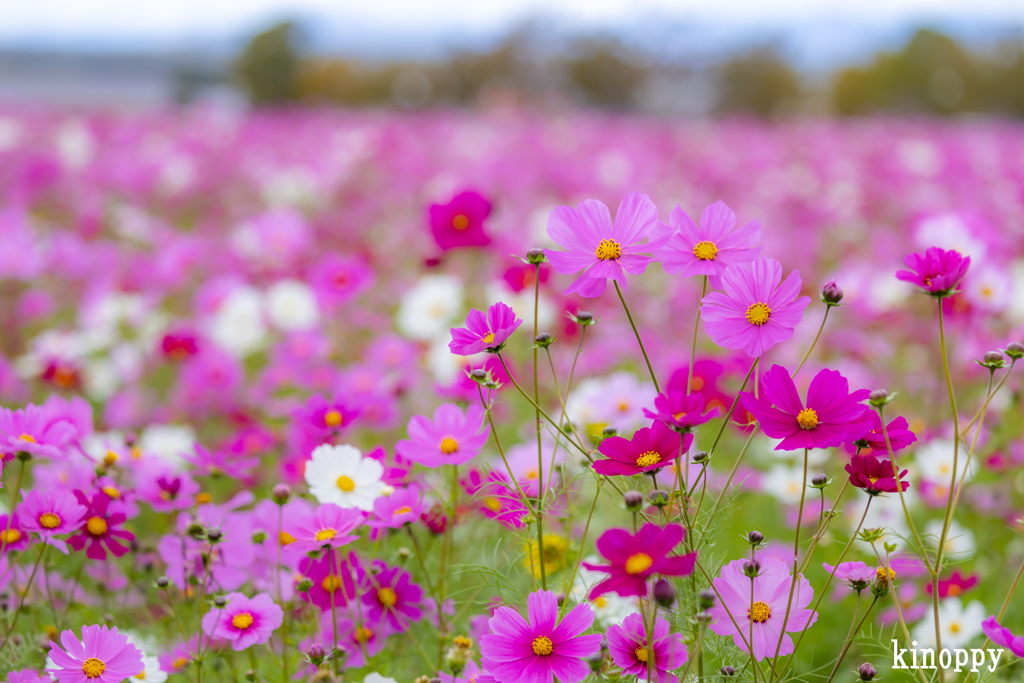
x=931, y=74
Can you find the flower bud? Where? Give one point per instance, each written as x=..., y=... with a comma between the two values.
x=831, y=294
x=755, y=538
x=250, y=676
x=664, y=593
x=658, y=497
x=435, y=680
x=478, y=375
x=435, y=519
x=751, y=568
x=992, y=360
x=214, y=535
x=24, y=456
x=220, y=601
x=281, y=493
x=596, y=662
x=1015, y=350
x=728, y=671
x=455, y=658
x=163, y=582
x=197, y=531
x=536, y=256
x=543, y=340
x=609, y=431
x=634, y=500
x=305, y=583
x=878, y=397
x=560, y=598
x=700, y=457
x=316, y=653
x=584, y=318
x=706, y=599
x=403, y=554
x=819, y=481
x=259, y=536
x=867, y=672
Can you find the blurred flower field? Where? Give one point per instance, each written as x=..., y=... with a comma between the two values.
x=508, y=396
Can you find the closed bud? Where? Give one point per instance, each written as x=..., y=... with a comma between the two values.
x=316, y=653
x=560, y=598
x=819, y=481
x=435, y=680
x=706, y=599
x=250, y=675
x=658, y=498
x=543, y=340
x=403, y=554
x=305, y=583
x=596, y=662
x=609, y=431
x=664, y=594
x=163, y=582
x=478, y=374
x=728, y=671
x=867, y=672
x=584, y=318
x=755, y=538
x=197, y=531
x=219, y=601
x=700, y=457
x=281, y=493
x=1015, y=350
x=214, y=535
x=992, y=360
x=455, y=658
x=259, y=536
x=634, y=500
x=751, y=568
x=880, y=397
x=536, y=256
x=831, y=293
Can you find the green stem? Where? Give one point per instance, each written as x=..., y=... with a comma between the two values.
x=696, y=326
x=815, y=342
x=638, y=339
x=849, y=639
x=540, y=448
x=21, y=603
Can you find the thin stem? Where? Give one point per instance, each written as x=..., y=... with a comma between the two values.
x=696, y=326
x=849, y=641
x=540, y=448
x=896, y=602
x=586, y=530
x=638, y=339
x=751, y=624
x=21, y=603
x=1002, y=610
x=501, y=451
x=896, y=474
x=815, y=342
x=823, y=528
x=14, y=502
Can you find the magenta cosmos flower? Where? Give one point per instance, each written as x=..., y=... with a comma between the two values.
x=873, y=475
x=755, y=312
x=603, y=250
x=540, y=648
x=389, y=595
x=101, y=528
x=1002, y=636
x=634, y=559
x=826, y=420
x=631, y=653
x=870, y=435
x=243, y=621
x=460, y=222
x=936, y=271
x=403, y=506
x=651, y=448
x=102, y=656
x=680, y=412
x=768, y=609
x=13, y=536
x=451, y=438
x=34, y=430
x=484, y=333
x=49, y=513
x=327, y=583
x=330, y=526
x=857, y=575
x=710, y=248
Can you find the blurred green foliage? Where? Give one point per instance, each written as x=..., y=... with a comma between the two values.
x=269, y=65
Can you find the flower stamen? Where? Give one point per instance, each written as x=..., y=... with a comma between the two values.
x=638, y=563
x=758, y=314
x=807, y=418
x=608, y=250
x=705, y=250
x=542, y=646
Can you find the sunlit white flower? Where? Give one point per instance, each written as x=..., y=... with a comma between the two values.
x=609, y=609
x=237, y=326
x=959, y=545
x=989, y=288
x=170, y=443
x=341, y=475
x=74, y=143
x=784, y=482
x=374, y=677
x=291, y=305
x=950, y=231
x=430, y=306
x=446, y=366
x=934, y=462
x=957, y=626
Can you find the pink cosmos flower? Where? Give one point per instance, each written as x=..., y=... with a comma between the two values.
x=767, y=611
x=102, y=656
x=451, y=438
x=874, y=476
x=955, y=585
x=243, y=621
x=1002, y=636
x=390, y=595
x=936, y=271
x=403, y=506
x=600, y=249
x=460, y=222
x=338, y=582
x=179, y=345
x=164, y=489
x=541, y=648
x=28, y=676
x=631, y=653
x=34, y=430
x=635, y=558
x=49, y=513
x=324, y=418
x=898, y=430
x=755, y=312
x=825, y=422
x=651, y=448
x=710, y=248
x=497, y=497
x=484, y=333
x=12, y=535
x=330, y=526
x=680, y=412
x=857, y=574
x=221, y=463
x=101, y=528
x=356, y=641
x=337, y=279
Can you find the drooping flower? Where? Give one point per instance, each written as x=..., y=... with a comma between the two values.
x=898, y=431
x=1002, y=636
x=767, y=611
x=710, y=248
x=631, y=653
x=484, y=332
x=874, y=476
x=244, y=621
x=451, y=438
x=341, y=475
x=600, y=249
x=651, y=448
x=101, y=528
x=329, y=526
x=403, y=506
x=857, y=574
x=540, y=648
x=460, y=222
x=49, y=513
x=823, y=423
x=633, y=559
x=955, y=585
x=755, y=312
x=390, y=595
x=936, y=271
x=680, y=412
x=102, y=656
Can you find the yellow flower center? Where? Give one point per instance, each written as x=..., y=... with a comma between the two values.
x=203, y=498
x=807, y=418
x=332, y=418
x=97, y=526
x=463, y=642
x=954, y=627
x=759, y=612
x=242, y=621
x=880, y=573
x=404, y=510
x=111, y=491
x=460, y=222
x=758, y=314
x=492, y=504
x=110, y=458
x=488, y=338
x=285, y=538
x=449, y=445
x=10, y=536
x=705, y=251
x=953, y=590
x=387, y=597
x=325, y=534
x=331, y=583
x=30, y=439
x=641, y=653
x=345, y=483
x=649, y=458
x=93, y=668
x=48, y=520
x=141, y=675
x=638, y=563
x=542, y=646
x=179, y=662
x=361, y=635
x=600, y=602
x=608, y=250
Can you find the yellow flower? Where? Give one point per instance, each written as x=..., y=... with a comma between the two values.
x=555, y=549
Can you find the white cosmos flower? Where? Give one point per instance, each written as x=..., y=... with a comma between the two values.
x=784, y=482
x=151, y=672
x=291, y=306
x=989, y=289
x=238, y=325
x=957, y=626
x=934, y=461
x=341, y=475
x=959, y=545
x=169, y=443
x=427, y=309
x=609, y=609
x=374, y=677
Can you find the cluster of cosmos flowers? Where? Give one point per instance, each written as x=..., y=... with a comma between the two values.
x=278, y=404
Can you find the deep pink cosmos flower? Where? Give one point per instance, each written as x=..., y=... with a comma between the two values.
x=856, y=574
x=164, y=489
x=755, y=312
x=680, y=412
x=634, y=559
x=710, y=248
x=102, y=656
x=825, y=422
x=600, y=249
x=540, y=648
x=403, y=506
x=705, y=381
x=1002, y=636
x=328, y=582
x=221, y=462
x=484, y=333
x=651, y=448
x=768, y=609
x=179, y=345
x=329, y=526
x=357, y=641
x=631, y=653
x=323, y=418
x=936, y=271
x=451, y=438
x=101, y=528
x=497, y=497
x=49, y=513
x=34, y=430
x=873, y=475
x=337, y=279
x=898, y=430
x=955, y=585
x=243, y=621
x=389, y=595
x=460, y=222
x=12, y=535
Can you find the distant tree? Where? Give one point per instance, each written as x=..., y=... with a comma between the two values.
x=268, y=67
x=759, y=82
x=604, y=77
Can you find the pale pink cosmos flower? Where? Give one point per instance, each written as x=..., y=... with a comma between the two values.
x=710, y=248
